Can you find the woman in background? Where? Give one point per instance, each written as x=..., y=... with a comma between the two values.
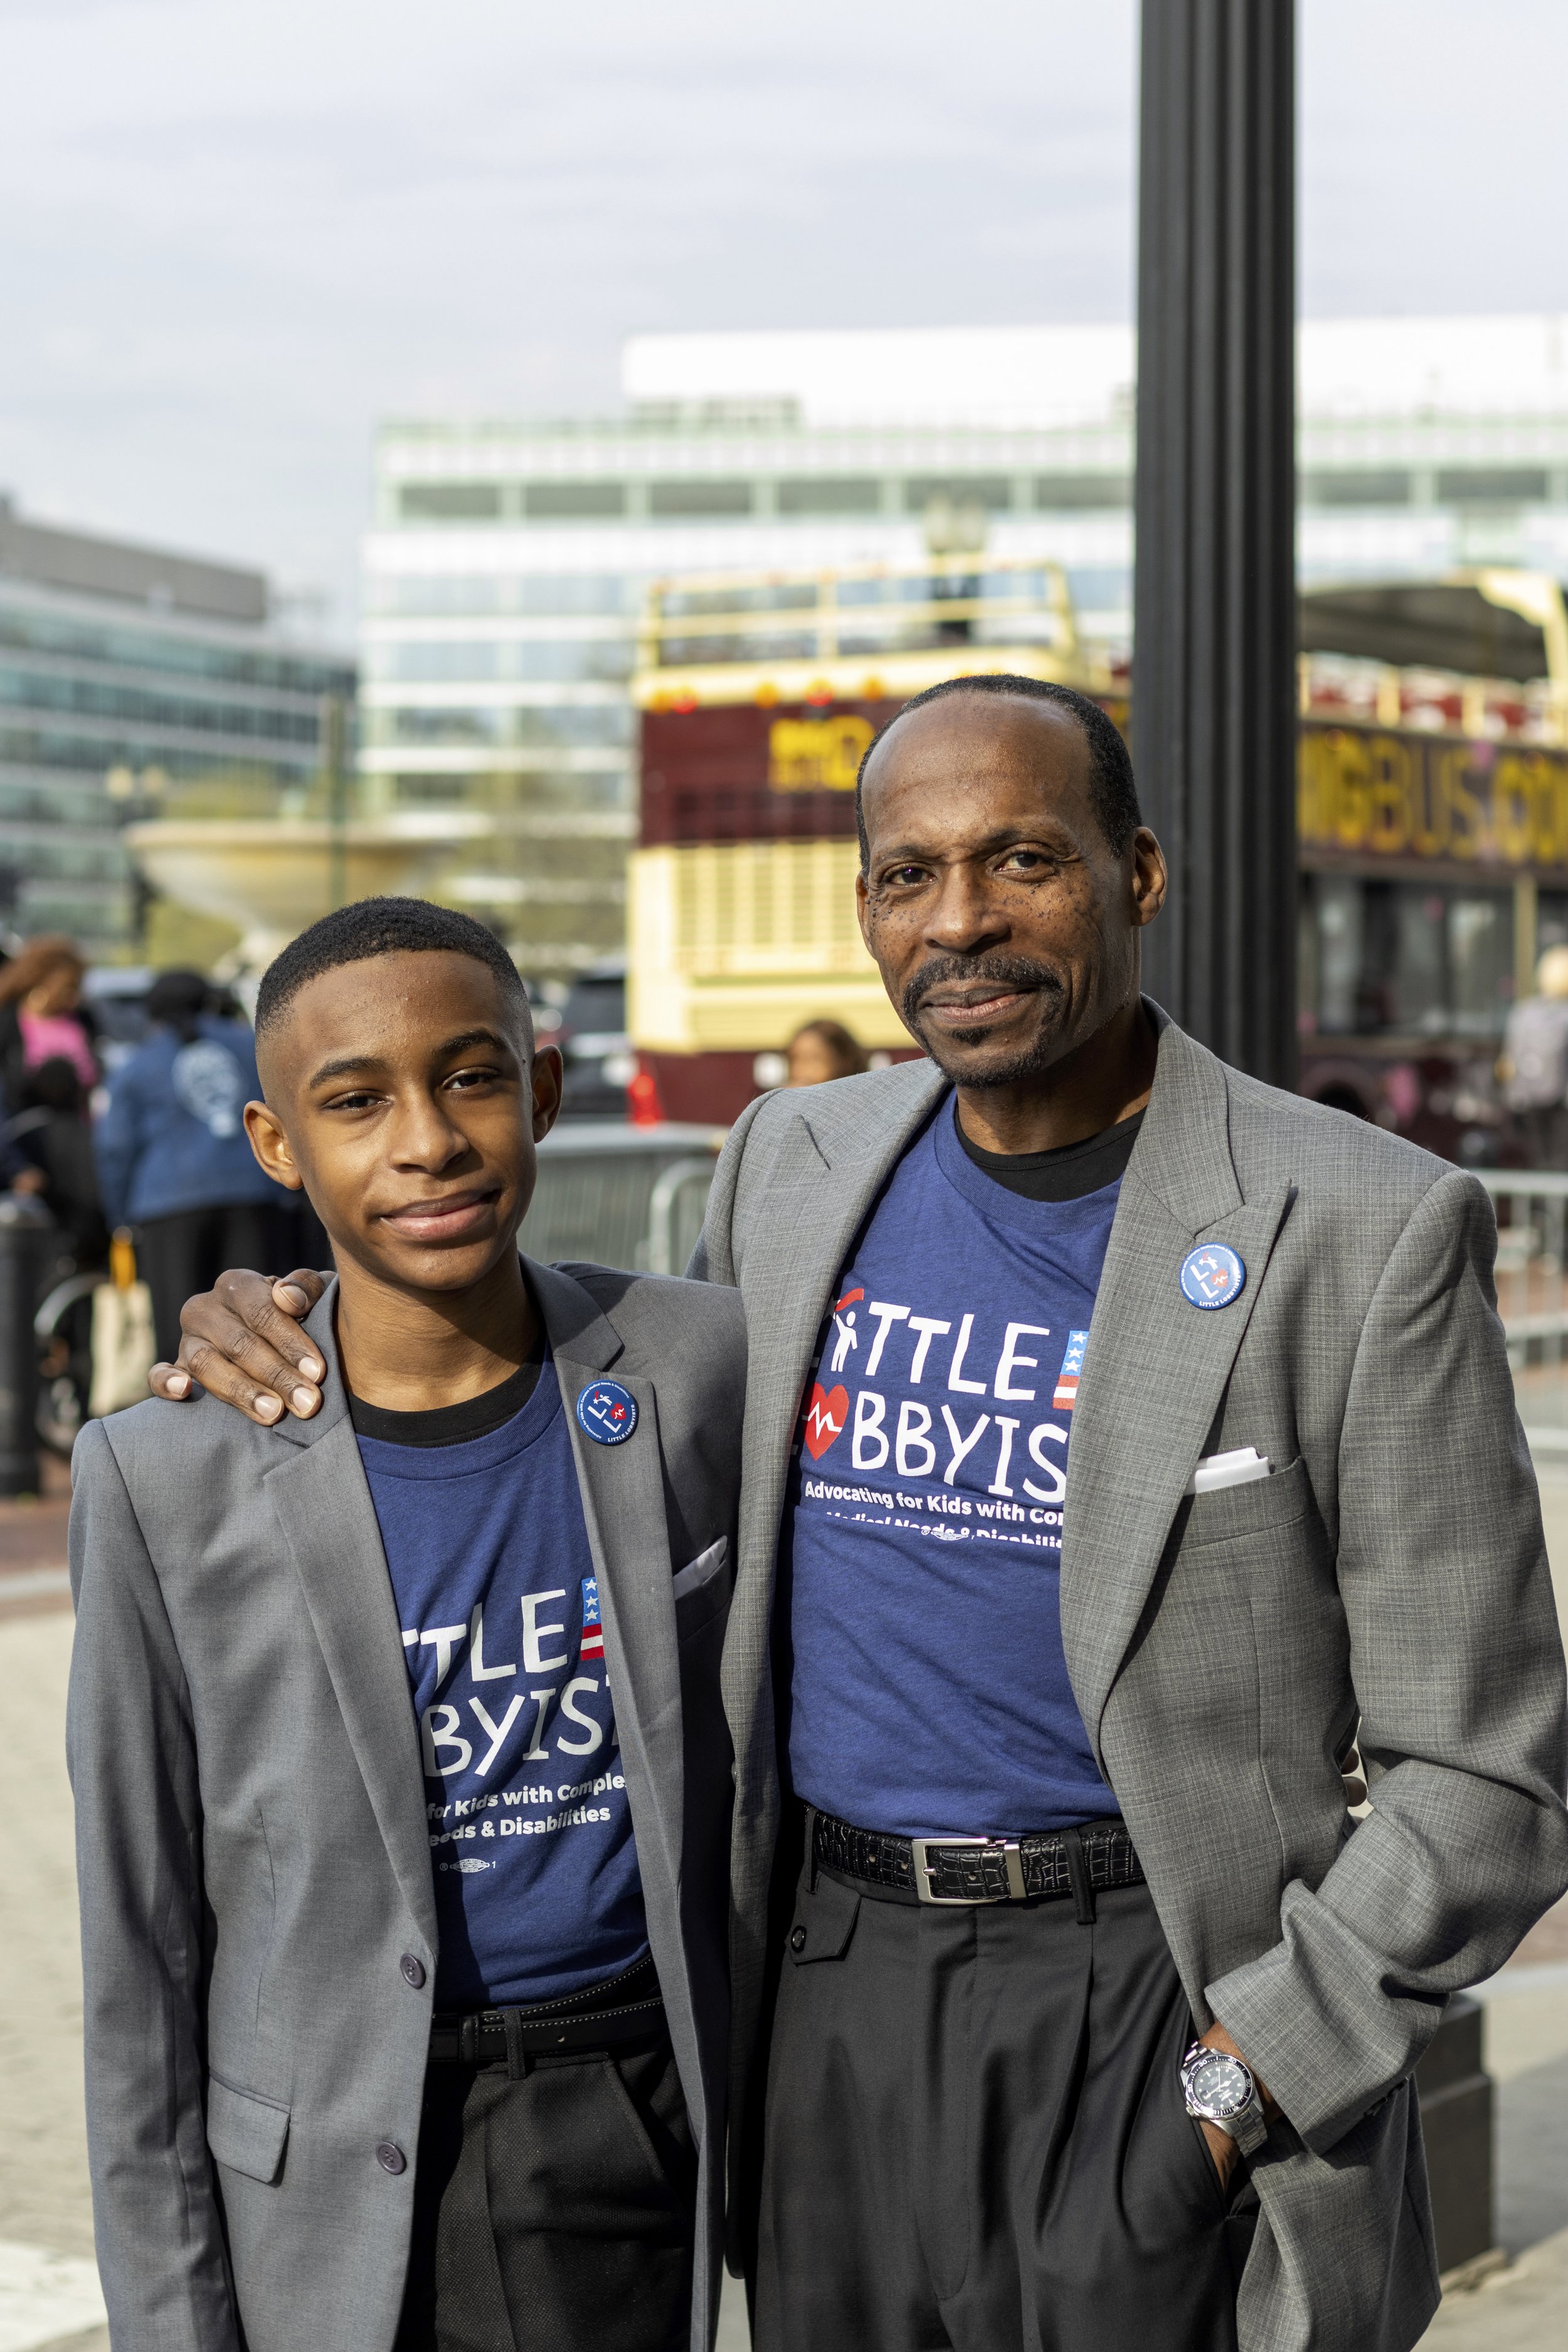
x=41, y=1016
x=174, y=1159
x=823, y=1050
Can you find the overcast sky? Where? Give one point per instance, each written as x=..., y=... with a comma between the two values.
x=233, y=236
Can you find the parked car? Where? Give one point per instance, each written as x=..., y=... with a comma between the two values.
x=600, y=1062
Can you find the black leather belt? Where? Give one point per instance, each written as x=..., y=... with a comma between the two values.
x=625, y=2009
x=1080, y=1863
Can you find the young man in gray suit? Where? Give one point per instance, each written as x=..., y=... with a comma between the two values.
x=1123, y=1438
x=403, y=1785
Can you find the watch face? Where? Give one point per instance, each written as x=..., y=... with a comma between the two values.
x=1219, y=2086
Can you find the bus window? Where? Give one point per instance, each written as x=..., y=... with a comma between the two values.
x=1551, y=920
x=1384, y=959
x=1337, y=905
x=1480, y=958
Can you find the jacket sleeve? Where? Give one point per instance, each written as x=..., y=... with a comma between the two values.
x=116, y=1141
x=131, y=1749
x=1456, y=1663
x=714, y=1259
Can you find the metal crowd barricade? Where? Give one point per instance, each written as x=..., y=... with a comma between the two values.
x=621, y=1195
x=1532, y=1294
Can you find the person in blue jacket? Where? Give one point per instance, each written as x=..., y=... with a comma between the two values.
x=174, y=1161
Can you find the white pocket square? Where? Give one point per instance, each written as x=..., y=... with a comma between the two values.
x=698, y=1572
x=1227, y=1470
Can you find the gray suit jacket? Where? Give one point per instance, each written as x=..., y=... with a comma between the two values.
x=252, y=1845
x=1223, y=1647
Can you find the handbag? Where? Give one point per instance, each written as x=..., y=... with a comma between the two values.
x=124, y=1348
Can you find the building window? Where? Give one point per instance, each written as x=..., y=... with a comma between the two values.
x=1388, y=486
x=420, y=726
x=1491, y=486
x=457, y=662
x=427, y=598
x=447, y=662
x=451, y=501
x=993, y=491
x=416, y=596
x=573, y=501
x=1073, y=493
x=829, y=494
x=705, y=497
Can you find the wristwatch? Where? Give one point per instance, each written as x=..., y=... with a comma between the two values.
x=1221, y=2090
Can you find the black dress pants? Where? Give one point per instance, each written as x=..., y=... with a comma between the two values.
x=554, y=2211
x=975, y=2137
x=184, y=1253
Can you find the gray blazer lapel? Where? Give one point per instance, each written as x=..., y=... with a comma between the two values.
x=623, y=1502
x=323, y=1505
x=1156, y=1367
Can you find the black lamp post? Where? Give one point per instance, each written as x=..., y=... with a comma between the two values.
x=1214, y=693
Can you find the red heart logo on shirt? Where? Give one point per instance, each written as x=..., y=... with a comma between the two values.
x=825, y=1418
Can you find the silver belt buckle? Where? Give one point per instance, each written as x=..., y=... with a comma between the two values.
x=1007, y=1847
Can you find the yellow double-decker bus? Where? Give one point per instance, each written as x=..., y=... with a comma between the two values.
x=1432, y=798
x=757, y=697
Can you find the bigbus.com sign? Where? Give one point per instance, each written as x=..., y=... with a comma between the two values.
x=1372, y=792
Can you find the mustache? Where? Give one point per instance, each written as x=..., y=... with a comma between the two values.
x=998, y=971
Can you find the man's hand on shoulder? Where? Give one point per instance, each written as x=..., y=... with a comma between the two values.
x=242, y=1341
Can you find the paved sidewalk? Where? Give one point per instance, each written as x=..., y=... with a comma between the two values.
x=44, y=2204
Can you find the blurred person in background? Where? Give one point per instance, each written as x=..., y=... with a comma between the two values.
x=174, y=1160
x=1533, y=1065
x=42, y=1018
x=823, y=1050
x=53, y=1140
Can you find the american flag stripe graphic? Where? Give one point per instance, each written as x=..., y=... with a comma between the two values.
x=593, y=1627
x=1065, y=1396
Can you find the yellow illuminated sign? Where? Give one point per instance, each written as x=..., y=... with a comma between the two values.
x=1390, y=795
x=816, y=755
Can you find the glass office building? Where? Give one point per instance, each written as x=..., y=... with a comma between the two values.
x=136, y=682
x=507, y=564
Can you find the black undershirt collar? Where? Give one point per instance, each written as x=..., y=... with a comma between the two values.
x=1069, y=1173
x=450, y=1425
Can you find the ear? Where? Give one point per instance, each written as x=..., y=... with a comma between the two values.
x=1149, y=877
x=271, y=1146
x=546, y=1078
x=863, y=907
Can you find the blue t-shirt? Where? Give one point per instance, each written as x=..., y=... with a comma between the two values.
x=537, y=1886
x=928, y=1689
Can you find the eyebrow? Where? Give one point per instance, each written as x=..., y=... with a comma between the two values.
x=349, y=1065
x=1005, y=836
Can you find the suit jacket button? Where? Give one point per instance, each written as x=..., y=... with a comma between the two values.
x=797, y=1939
x=390, y=2157
x=413, y=1969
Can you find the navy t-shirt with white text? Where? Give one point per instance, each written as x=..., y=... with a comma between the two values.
x=928, y=1687
x=538, y=1891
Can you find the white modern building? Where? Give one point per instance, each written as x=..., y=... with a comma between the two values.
x=507, y=562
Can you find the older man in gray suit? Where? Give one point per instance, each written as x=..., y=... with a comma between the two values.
x=1124, y=1440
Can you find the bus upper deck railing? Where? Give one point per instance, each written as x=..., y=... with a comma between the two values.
x=858, y=609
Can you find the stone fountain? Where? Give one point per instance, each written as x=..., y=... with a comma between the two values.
x=272, y=876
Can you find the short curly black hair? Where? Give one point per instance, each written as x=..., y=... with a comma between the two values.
x=378, y=926
x=1112, y=785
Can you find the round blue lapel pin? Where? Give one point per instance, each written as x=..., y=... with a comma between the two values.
x=1212, y=1276
x=607, y=1412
